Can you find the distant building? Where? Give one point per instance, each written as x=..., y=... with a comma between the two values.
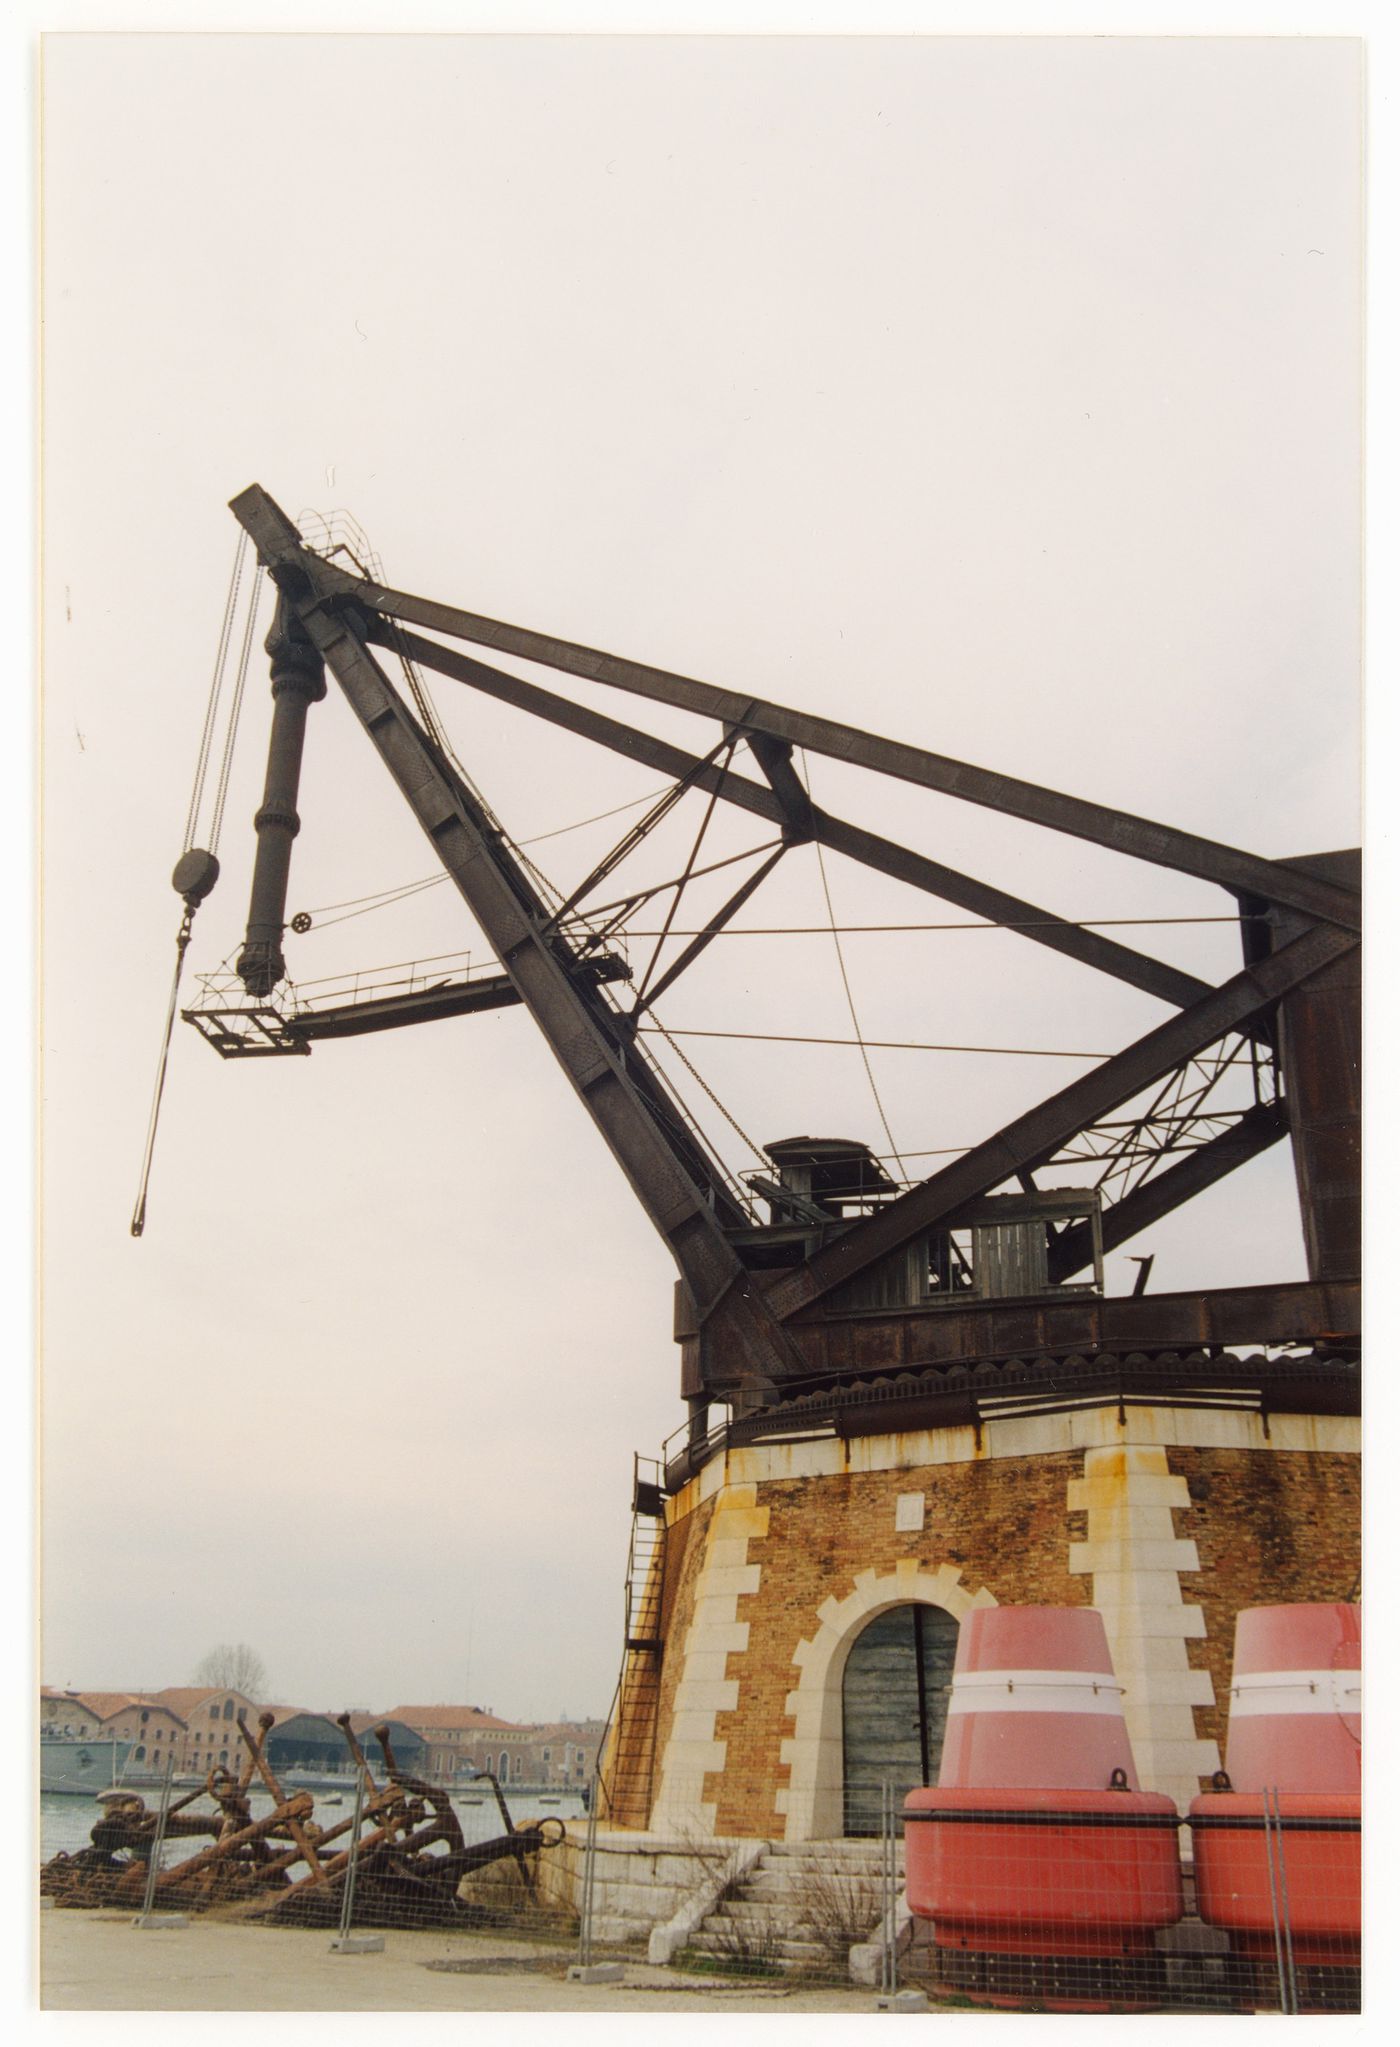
x=313, y=1742
x=66, y=1716
x=209, y=1715
x=155, y=1731
x=565, y=1751
x=198, y=1726
x=460, y=1740
x=463, y=1739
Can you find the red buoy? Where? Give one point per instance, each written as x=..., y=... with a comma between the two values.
x=1278, y=1853
x=1037, y=1841
x=1034, y=1701
x=1295, y=1700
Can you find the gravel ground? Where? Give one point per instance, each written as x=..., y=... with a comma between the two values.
x=97, y=1961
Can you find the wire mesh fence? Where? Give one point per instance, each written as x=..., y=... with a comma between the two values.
x=1044, y=1902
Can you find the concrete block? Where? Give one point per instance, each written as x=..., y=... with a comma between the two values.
x=863, y=1961
x=708, y=1662
x=738, y=1524
x=724, y=1583
x=692, y=1749
x=703, y=1698
x=903, y=2000
x=1217, y=1429
x=1136, y=1589
x=1132, y=1553
x=160, y=1922
x=645, y=1903
x=737, y=1496
x=1029, y=1436
x=1153, y=1491
x=358, y=1944
x=1165, y=1688
x=1337, y=1432
x=1139, y=1658
x=595, y=1972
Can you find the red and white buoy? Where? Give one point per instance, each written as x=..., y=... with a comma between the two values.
x=1295, y=1700
x=1035, y=1702
x=1278, y=1852
x=1037, y=1841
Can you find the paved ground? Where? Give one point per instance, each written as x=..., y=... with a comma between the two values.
x=97, y=1961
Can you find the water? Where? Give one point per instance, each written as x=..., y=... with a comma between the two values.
x=65, y=1822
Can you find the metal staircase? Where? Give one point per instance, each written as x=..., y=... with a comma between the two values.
x=631, y=1755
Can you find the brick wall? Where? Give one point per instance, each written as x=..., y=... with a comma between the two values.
x=1272, y=1520
x=1270, y=1530
x=1003, y=1523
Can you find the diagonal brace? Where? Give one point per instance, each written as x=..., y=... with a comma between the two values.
x=1258, y=1127
x=1107, y=955
x=712, y=929
x=1036, y=1136
x=1119, y=831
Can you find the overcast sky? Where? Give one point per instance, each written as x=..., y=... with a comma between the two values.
x=1002, y=397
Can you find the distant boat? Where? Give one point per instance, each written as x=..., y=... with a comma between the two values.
x=81, y=1768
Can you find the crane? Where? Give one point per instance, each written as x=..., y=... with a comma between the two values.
x=761, y=1302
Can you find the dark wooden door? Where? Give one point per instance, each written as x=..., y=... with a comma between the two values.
x=894, y=1701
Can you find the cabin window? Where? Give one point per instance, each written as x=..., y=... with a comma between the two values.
x=1014, y=1246
x=228, y=1709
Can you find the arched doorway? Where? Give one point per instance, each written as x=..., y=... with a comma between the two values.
x=894, y=1702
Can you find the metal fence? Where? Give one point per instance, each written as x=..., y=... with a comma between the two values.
x=1251, y=1906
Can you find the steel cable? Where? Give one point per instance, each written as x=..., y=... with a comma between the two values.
x=888, y=1045
x=235, y=713
x=846, y=984
x=211, y=708
x=138, y=1218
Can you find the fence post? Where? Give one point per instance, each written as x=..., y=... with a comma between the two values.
x=1283, y=2003
x=585, y=1917
x=585, y=1969
x=1284, y=1914
x=346, y=1942
x=890, y=1968
x=148, y=1916
x=891, y=1997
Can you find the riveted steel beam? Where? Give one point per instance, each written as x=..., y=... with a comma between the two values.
x=1034, y=1138
x=1161, y=845
x=1106, y=955
x=679, y=1187
x=1258, y=1127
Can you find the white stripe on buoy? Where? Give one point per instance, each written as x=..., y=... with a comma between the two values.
x=1034, y=1691
x=1296, y=1691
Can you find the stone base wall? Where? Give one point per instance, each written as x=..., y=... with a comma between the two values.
x=640, y=1880
x=1168, y=1521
